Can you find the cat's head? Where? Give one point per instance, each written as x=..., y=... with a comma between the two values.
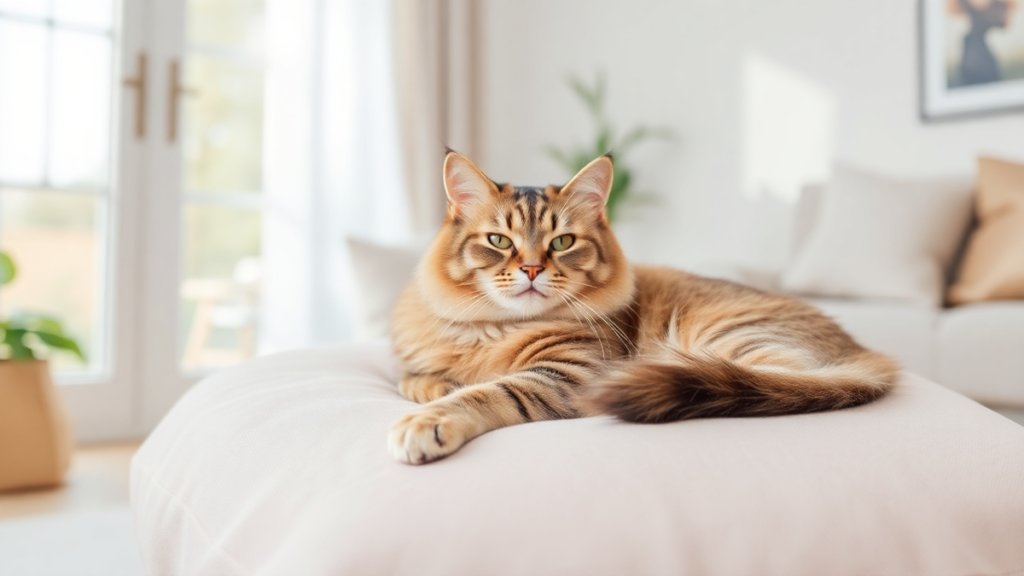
x=509, y=253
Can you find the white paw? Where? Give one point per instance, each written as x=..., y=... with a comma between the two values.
x=424, y=436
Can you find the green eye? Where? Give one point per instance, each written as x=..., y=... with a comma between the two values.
x=563, y=242
x=499, y=241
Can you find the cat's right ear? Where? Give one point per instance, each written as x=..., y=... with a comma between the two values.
x=464, y=183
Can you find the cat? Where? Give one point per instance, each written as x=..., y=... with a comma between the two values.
x=524, y=308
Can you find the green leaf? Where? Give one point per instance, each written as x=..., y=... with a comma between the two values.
x=14, y=338
x=641, y=133
x=59, y=342
x=559, y=156
x=41, y=323
x=8, y=271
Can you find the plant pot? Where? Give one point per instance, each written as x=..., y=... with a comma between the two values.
x=35, y=438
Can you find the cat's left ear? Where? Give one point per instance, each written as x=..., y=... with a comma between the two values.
x=591, y=186
x=465, y=184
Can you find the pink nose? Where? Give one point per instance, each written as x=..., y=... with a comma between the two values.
x=532, y=271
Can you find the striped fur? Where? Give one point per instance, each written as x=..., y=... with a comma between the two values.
x=483, y=347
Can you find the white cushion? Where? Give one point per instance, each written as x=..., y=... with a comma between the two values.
x=280, y=466
x=979, y=350
x=875, y=238
x=381, y=273
x=902, y=330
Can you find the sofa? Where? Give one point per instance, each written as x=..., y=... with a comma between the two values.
x=975, y=349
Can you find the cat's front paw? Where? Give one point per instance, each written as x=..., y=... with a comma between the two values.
x=424, y=436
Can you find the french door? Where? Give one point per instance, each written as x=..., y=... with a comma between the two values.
x=130, y=192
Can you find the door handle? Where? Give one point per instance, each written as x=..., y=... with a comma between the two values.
x=138, y=83
x=177, y=90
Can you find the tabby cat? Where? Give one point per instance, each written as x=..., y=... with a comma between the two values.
x=524, y=308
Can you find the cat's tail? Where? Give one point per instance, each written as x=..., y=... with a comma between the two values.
x=680, y=385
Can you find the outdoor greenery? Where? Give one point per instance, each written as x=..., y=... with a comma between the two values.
x=24, y=334
x=606, y=140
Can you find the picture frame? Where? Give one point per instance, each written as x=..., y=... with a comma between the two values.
x=971, y=59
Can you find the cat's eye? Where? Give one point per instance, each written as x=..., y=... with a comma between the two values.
x=499, y=241
x=563, y=242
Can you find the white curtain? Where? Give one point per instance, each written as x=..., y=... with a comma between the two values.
x=359, y=105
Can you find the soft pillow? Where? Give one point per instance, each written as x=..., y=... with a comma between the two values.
x=278, y=466
x=381, y=273
x=875, y=238
x=993, y=268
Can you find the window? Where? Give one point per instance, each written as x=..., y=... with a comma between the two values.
x=56, y=184
x=222, y=163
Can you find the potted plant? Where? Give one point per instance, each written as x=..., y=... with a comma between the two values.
x=606, y=140
x=35, y=439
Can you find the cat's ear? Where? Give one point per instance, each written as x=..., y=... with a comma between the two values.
x=465, y=184
x=591, y=186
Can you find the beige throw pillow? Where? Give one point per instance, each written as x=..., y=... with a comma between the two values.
x=876, y=238
x=993, y=268
x=381, y=273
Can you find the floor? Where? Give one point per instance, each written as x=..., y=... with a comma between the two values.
x=88, y=520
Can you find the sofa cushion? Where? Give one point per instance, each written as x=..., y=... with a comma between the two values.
x=380, y=272
x=979, y=351
x=876, y=238
x=993, y=267
x=901, y=330
x=280, y=466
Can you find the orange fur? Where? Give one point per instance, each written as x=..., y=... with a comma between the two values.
x=486, y=341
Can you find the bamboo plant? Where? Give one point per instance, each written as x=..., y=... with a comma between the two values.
x=23, y=337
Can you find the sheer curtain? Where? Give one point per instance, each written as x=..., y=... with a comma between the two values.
x=361, y=97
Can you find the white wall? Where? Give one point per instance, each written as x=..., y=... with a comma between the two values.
x=694, y=65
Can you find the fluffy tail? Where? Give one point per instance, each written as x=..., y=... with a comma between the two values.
x=682, y=385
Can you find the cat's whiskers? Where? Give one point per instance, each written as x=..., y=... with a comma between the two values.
x=623, y=338
x=439, y=317
x=593, y=327
x=472, y=305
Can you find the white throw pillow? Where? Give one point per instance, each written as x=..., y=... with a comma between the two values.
x=381, y=273
x=875, y=238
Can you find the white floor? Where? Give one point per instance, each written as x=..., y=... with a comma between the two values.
x=83, y=528
x=98, y=542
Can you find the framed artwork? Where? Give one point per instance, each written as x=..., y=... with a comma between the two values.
x=972, y=57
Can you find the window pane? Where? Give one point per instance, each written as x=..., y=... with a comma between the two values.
x=54, y=241
x=92, y=13
x=223, y=131
x=235, y=24
x=80, y=121
x=22, y=101
x=35, y=8
x=220, y=285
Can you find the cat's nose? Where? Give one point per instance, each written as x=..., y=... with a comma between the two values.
x=532, y=271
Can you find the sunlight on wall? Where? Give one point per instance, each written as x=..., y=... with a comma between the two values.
x=788, y=128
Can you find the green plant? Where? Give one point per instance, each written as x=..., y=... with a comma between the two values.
x=23, y=333
x=575, y=158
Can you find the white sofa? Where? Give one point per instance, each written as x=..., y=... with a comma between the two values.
x=976, y=349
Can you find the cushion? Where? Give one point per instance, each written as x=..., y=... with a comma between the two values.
x=876, y=238
x=807, y=209
x=280, y=466
x=993, y=268
x=381, y=273
x=979, y=351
